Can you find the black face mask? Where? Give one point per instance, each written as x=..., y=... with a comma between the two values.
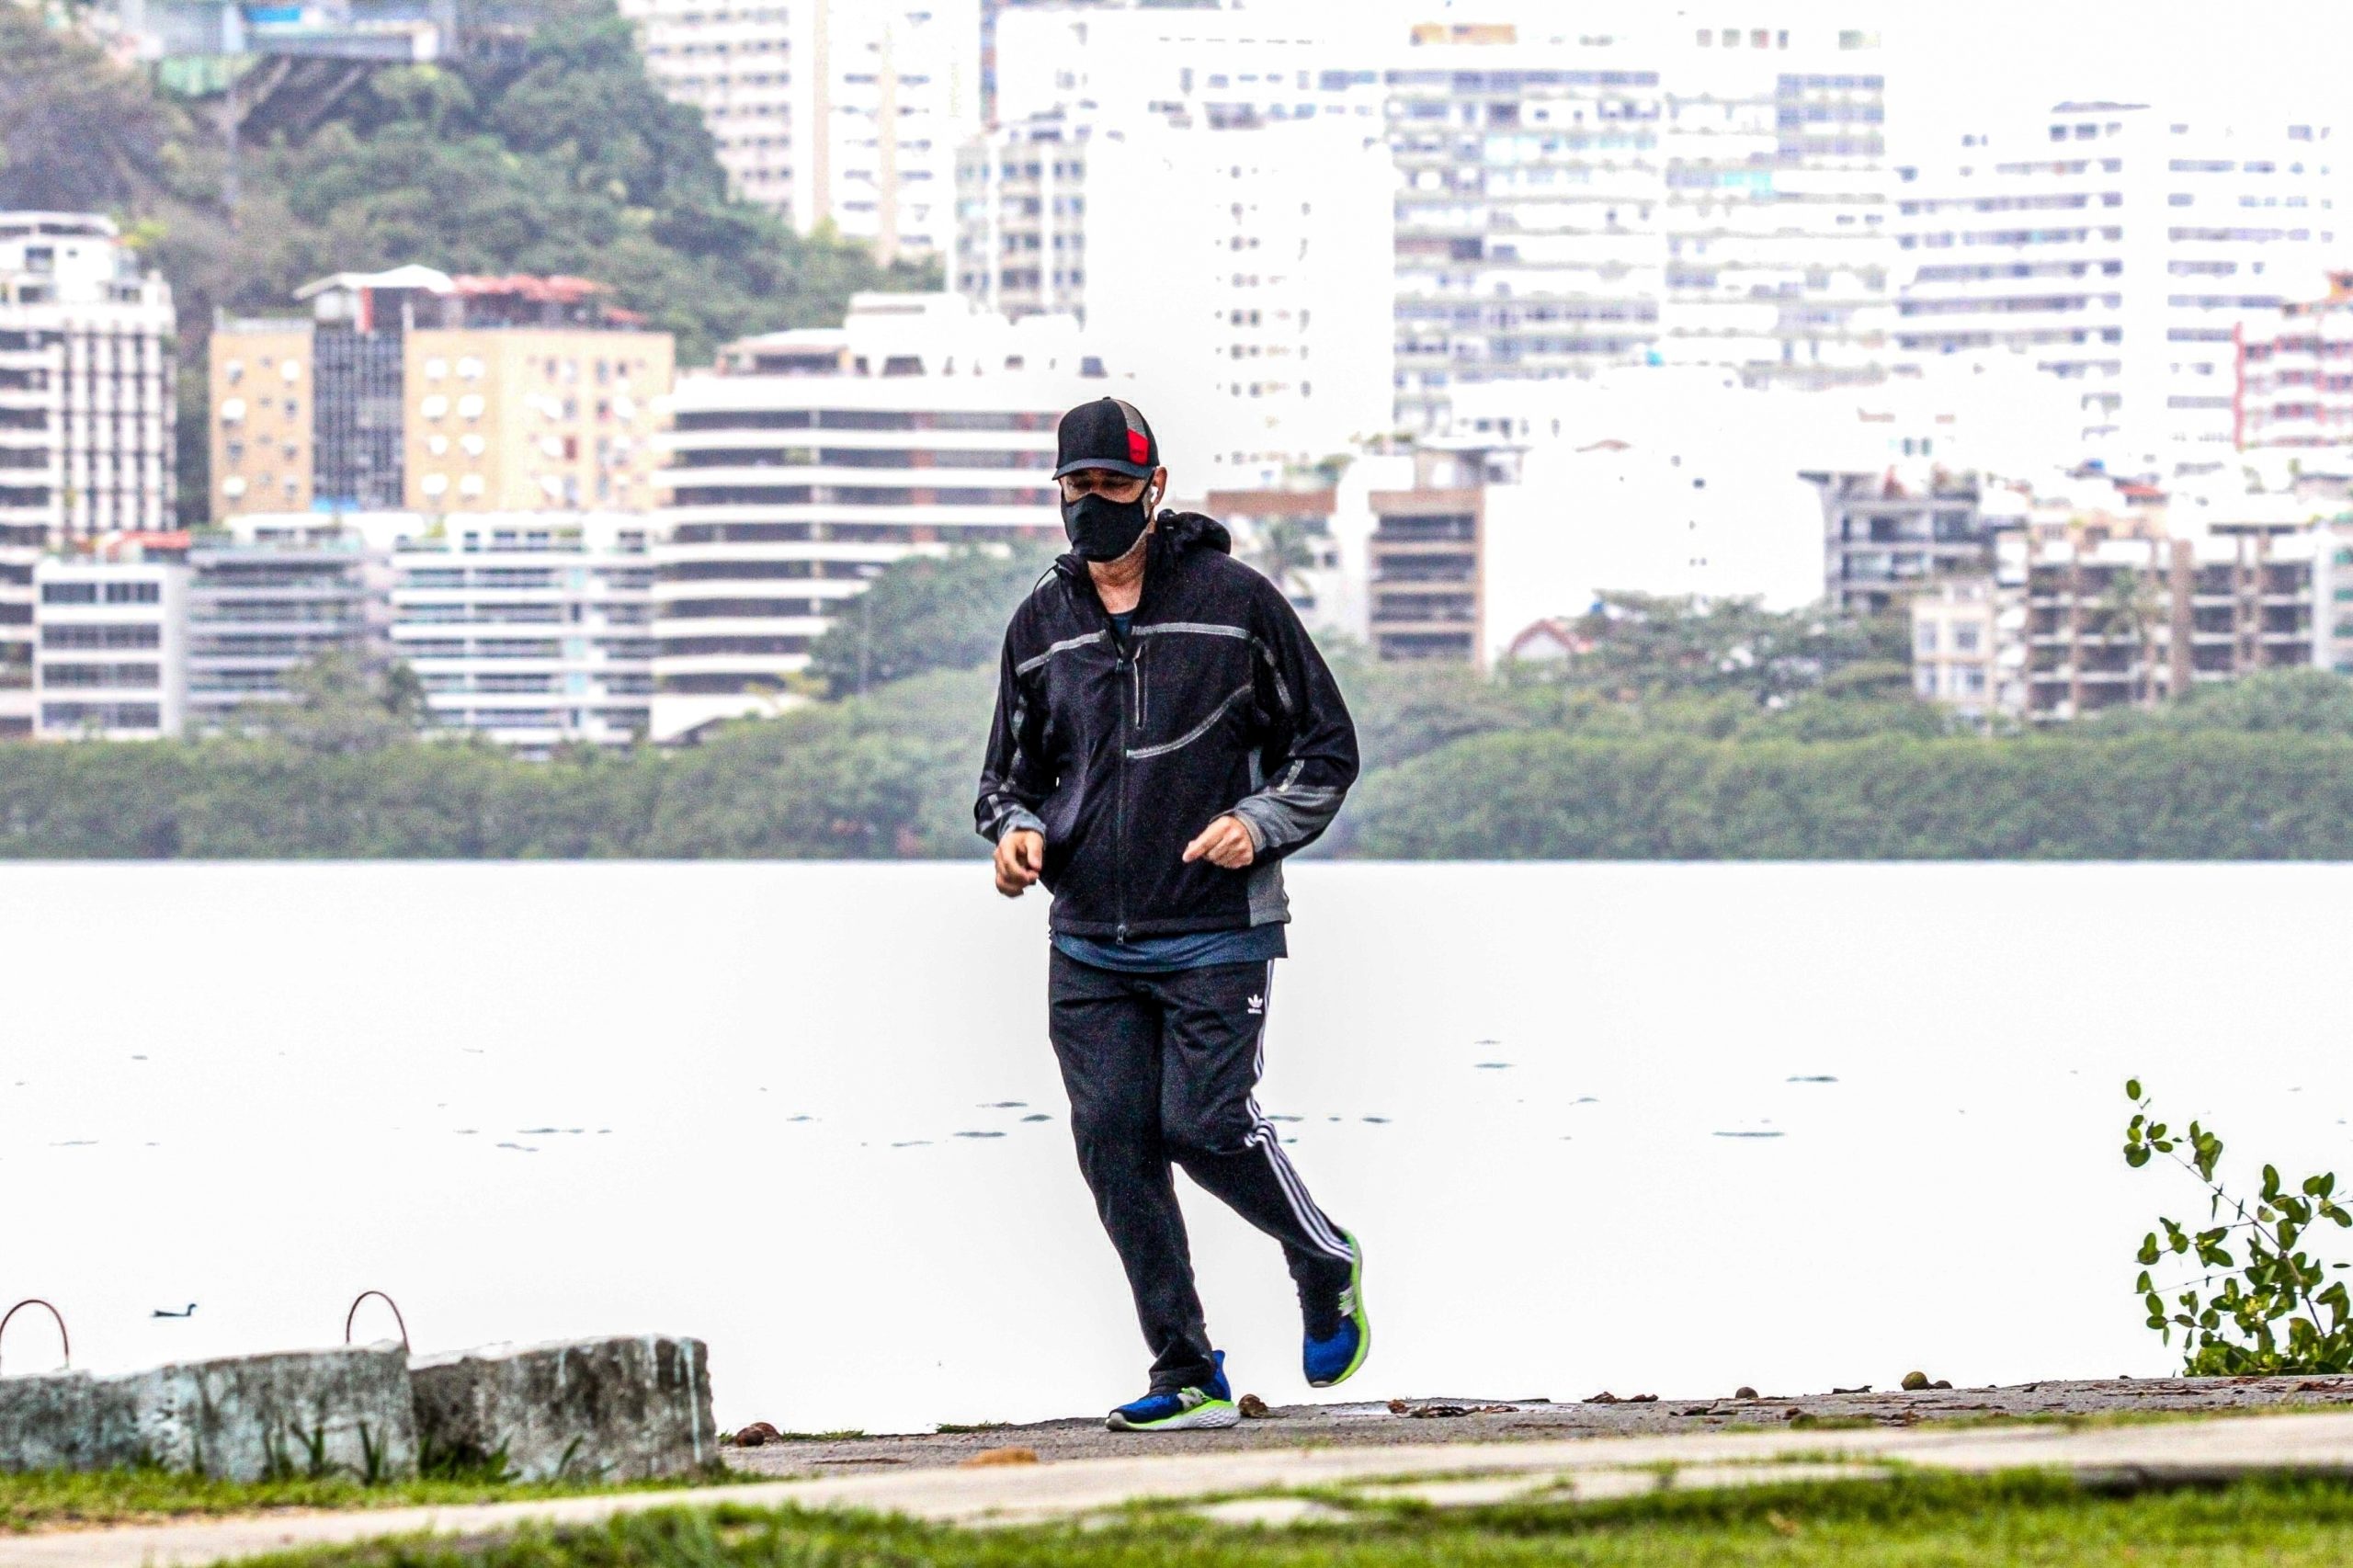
x=1103, y=529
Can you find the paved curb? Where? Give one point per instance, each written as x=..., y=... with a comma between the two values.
x=1022, y=1493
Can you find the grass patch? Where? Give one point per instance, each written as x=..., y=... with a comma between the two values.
x=43, y=1499
x=1912, y=1518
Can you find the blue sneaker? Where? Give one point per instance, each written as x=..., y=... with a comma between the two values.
x=1334, y=1357
x=1209, y=1405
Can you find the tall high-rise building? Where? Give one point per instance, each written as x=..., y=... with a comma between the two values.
x=1778, y=211
x=414, y=390
x=1244, y=268
x=1570, y=200
x=1021, y=217
x=744, y=66
x=840, y=112
x=1565, y=198
x=2119, y=248
x=899, y=85
x=87, y=404
x=1528, y=241
x=86, y=379
x=811, y=459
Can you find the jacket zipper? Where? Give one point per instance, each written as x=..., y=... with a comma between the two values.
x=1120, y=803
x=1123, y=655
x=1122, y=663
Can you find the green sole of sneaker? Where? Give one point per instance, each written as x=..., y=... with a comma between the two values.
x=1217, y=1412
x=1362, y=1318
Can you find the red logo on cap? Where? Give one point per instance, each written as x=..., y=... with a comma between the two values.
x=1139, y=450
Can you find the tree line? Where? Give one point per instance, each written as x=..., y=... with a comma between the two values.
x=1678, y=732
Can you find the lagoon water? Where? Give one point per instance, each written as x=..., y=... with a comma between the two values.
x=1652, y=1128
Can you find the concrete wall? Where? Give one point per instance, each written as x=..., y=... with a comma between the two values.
x=621, y=1409
x=343, y=1412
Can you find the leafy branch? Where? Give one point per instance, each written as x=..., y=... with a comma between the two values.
x=2278, y=1291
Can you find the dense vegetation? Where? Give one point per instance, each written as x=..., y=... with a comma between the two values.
x=1696, y=754
x=927, y=614
x=559, y=157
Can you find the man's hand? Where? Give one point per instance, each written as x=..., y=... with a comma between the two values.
x=1020, y=858
x=1224, y=842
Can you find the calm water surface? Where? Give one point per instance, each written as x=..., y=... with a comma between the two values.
x=1661, y=1129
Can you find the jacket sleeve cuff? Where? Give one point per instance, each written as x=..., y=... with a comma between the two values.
x=1255, y=814
x=1015, y=821
x=1280, y=819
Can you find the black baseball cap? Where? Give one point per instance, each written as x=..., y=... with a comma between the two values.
x=1106, y=433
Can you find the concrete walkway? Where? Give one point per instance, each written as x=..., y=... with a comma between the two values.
x=1458, y=1419
x=1457, y=1473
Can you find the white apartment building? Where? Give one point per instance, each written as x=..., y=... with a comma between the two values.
x=20, y=549
x=1670, y=482
x=1565, y=198
x=279, y=591
x=899, y=85
x=1241, y=273
x=809, y=460
x=87, y=404
x=1959, y=653
x=86, y=380
x=741, y=66
x=1570, y=202
x=2295, y=373
x=1677, y=480
x=1219, y=67
x=840, y=111
x=1778, y=210
x=1021, y=217
x=112, y=660
x=2119, y=248
x=531, y=629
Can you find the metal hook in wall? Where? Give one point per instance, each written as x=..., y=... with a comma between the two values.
x=63, y=1341
x=352, y=1316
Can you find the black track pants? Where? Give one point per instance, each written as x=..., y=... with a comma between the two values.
x=1161, y=1069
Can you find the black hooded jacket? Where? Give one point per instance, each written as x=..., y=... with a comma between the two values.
x=1218, y=703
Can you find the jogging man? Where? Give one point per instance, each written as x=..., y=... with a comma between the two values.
x=1166, y=734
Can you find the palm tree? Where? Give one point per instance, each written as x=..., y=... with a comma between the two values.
x=1285, y=551
x=2129, y=605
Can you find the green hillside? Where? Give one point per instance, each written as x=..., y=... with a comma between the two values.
x=557, y=157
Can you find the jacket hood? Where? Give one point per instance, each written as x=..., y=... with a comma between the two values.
x=1177, y=533
x=1191, y=530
